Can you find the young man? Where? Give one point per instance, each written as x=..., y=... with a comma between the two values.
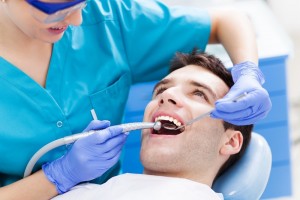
x=182, y=163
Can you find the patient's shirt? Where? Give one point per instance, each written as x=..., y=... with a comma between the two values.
x=142, y=187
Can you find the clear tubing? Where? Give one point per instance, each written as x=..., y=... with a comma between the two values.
x=72, y=138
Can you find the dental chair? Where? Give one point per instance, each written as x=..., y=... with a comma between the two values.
x=247, y=179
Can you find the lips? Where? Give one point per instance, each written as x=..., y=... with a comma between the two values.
x=57, y=29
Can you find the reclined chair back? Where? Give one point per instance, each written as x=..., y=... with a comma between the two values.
x=247, y=179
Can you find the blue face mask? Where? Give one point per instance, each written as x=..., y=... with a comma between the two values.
x=49, y=12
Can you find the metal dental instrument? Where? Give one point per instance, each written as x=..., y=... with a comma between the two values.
x=72, y=138
x=173, y=127
x=126, y=128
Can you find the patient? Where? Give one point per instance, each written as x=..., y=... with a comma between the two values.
x=179, y=164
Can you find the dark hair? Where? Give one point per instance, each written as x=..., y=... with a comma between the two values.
x=214, y=65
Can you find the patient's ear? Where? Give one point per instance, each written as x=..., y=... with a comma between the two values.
x=232, y=142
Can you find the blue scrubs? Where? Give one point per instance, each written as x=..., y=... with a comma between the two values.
x=92, y=67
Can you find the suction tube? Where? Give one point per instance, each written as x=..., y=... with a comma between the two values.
x=72, y=138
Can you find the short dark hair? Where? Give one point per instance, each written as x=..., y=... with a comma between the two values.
x=214, y=65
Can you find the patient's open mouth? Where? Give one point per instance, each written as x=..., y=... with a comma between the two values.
x=167, y=120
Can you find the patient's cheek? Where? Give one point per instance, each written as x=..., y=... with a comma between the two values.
x=148, y=112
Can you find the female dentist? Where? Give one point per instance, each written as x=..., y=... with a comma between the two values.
x=60, y=60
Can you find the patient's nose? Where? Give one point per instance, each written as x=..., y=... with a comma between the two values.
x=170, y=97
x=169, y=100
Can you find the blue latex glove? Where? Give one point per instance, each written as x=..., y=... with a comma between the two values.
x=89, y=157
x=251, y=108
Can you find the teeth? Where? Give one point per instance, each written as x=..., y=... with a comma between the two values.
x=168, y=118
x=57, y=28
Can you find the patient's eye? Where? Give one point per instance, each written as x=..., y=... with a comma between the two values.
x=201, y=94
x=159, y=90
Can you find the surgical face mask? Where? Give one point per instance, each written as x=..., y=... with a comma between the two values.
x=54, y=11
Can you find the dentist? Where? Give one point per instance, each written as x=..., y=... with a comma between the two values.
x=61, y=59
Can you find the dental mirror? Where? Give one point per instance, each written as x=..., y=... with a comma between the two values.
x=173, y=127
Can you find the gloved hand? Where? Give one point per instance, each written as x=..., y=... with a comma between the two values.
x=88, y=158
x=252, y=107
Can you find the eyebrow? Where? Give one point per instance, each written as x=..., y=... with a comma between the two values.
x=194, y=83
x=162, y=82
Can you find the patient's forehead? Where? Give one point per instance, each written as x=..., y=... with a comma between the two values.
x=199, y=74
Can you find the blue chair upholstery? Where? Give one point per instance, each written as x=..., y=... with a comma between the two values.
x=247, y=179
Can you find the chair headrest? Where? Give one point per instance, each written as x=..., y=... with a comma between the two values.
x=248, y=177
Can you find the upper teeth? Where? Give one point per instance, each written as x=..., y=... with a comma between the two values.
x=57, y=28
x=168, y=118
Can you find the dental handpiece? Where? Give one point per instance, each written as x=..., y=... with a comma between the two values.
x=72, y=138
x=126, y=128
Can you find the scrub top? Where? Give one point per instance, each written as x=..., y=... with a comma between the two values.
x=121, y=42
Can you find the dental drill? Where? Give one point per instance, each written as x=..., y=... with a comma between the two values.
x=126, y=128
x=72, y=138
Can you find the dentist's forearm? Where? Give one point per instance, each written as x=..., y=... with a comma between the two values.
x=235, y=32
x=34, y=187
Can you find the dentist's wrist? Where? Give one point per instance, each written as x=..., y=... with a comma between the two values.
x=247, y=68
x=61, y=183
